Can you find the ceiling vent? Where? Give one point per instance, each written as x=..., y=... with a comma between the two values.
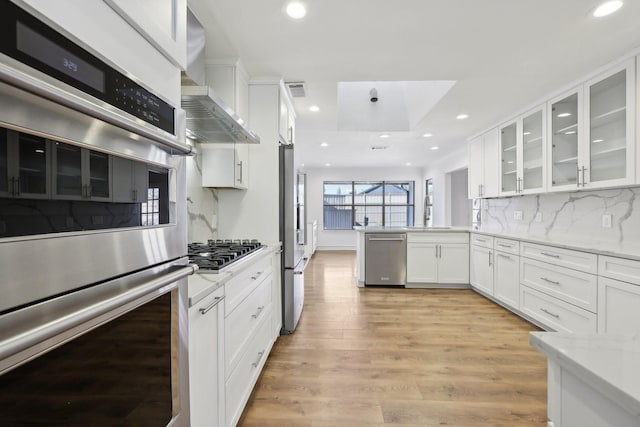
x=379, y=147
x=297, y=89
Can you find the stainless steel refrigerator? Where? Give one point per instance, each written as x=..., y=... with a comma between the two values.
x=292, y=236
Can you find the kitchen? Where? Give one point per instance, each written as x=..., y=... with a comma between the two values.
x=222, y=211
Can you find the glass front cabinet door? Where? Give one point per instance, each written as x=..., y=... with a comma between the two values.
x=592, y=133
x=532, y=137
x=509, y=181
x=565, y=122
x=609, y=149
x=522, y=150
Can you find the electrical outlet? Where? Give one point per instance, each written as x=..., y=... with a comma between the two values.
x=607, y=219
x=517, y=215
x=538, y=216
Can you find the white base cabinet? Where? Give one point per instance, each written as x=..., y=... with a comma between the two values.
x=437, y=258
x=481, y=263
x=507, y=279
x=618, y=306
x=206, y=361
x=573, y=402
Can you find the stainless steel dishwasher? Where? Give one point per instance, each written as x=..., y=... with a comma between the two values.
x=385, y=259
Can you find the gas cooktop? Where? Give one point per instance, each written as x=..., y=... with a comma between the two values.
x=217, y=254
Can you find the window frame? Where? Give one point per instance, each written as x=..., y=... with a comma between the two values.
x=355, y=205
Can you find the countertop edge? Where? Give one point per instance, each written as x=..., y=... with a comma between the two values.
x=603, y=385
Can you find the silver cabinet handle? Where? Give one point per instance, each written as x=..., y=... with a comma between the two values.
x=257, y=313
x=578, y=176
x=550, y=255
x=240, y=168
x=439, y=251
x=490, y=256
x=504, y=246
x=480, y=240
x=255, y=276
x=257, y=362
x=582, y=173
x=504, y=256
x=557, y=316
x=215, y=302
x=550, y=281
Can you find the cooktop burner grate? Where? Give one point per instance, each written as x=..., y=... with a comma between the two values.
x=216, y=254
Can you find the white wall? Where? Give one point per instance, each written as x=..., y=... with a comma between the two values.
x=460, y=203
x=442, y=183
x=346, y=239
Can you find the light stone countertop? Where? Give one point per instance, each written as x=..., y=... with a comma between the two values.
x=203, y=282
x=577, y=243
x=607, y=362
x=415, y=229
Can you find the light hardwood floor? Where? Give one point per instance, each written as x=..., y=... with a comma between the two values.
x=398, y=358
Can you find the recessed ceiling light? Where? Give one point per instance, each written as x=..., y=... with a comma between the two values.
x=408, y=164
x=462, y=116
x=563, y=115
x=296, y=10
x=314, y=108
x=301, y=165
x=427, y=135
x=435, y=147
x=607, y=8
x=385, y=135
x=327, y=164
x=324, y=144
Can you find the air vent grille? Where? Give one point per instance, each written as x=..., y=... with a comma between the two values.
x=297, y=89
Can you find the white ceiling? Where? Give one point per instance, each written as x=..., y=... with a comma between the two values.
x=504, y=55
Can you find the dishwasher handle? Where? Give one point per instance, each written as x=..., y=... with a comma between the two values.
x=386, y=239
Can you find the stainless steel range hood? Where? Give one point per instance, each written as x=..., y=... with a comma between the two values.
x=209, y=119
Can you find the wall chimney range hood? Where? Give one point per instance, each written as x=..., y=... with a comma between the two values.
x=209, y=119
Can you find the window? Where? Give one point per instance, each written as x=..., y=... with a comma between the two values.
x=377, y=203
x=150, y=211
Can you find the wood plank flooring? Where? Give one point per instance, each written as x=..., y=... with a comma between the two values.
x=398, y=358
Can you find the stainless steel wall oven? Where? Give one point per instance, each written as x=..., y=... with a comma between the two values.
x=93, y=238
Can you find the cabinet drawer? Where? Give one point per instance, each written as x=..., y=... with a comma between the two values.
x=571, y=286
x=244, y=282
x=506, y=245
x=482, y=240
x=431, y=237
x=242, y=322
x=556, y=314
x=242, y=379
x=619, y=268
x=576, y=260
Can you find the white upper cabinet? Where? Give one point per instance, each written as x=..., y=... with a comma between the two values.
x=609, y=145
x=287, y=119
x=592, y=133
x=522, y=154
x=564, y=116
x=509, y=180
x=161, y=22
x=483, y=165
x=532, y=138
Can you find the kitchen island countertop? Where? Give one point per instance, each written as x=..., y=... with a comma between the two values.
x=414, y=229
x=606, y=362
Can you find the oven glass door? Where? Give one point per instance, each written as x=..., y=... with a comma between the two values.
x=119, y=374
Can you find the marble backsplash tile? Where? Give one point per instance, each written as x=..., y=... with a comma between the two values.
x=202, y=202
x=575, y=216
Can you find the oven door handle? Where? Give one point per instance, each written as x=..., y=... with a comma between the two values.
x=68, y=316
